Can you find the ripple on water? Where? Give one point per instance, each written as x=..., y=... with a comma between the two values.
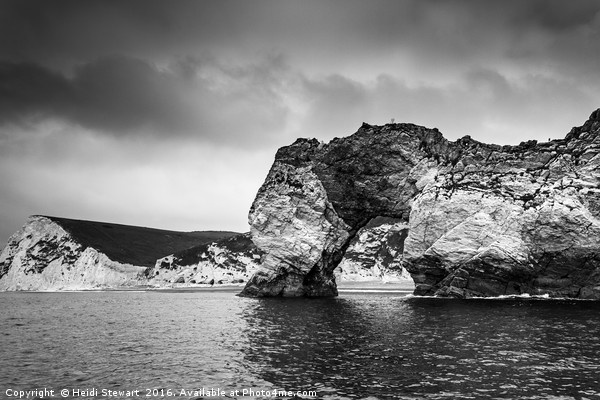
x=358, y=346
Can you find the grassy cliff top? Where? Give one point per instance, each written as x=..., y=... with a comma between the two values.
x=134, y=244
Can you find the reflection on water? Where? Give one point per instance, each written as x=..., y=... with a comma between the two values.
x=356, y=346
x=427, y=348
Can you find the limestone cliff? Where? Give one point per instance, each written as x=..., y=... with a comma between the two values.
x=230, y=260
x=51, y=253
x=375, y=254
x=44, y=256
x=483, y=219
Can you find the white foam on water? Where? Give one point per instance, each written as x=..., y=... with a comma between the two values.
x=375, y=291
x=525, y=296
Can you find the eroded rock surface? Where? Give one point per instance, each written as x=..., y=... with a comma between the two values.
x=483, y=219
x=227, y=261
x=375, y=254
x=44, y=256
x=51, y=253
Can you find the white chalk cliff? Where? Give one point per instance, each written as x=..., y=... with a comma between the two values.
x=44, y=256
x=375, y=254
x=228, y=261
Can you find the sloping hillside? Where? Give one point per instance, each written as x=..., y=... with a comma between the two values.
x=134, y=244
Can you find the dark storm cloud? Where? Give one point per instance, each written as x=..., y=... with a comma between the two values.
x=202, y=67
x=114, y=95
x=72, y=29
x=64, y=31
x=557, y=15
x=28, y=89
x=124, y=96
x=350, y=37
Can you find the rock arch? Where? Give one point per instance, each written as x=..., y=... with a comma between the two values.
x=483, y=219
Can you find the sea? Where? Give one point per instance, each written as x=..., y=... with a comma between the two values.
x=364, y=344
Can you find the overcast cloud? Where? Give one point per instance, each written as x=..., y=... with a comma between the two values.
x=168, y=114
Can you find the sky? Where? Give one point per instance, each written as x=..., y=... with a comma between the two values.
x=168, y=114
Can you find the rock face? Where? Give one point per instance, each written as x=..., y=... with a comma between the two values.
x=44, y=256
x=51, y=253
x=482, y=219
x=375, y=253
x=230, y=260
x=370, y=257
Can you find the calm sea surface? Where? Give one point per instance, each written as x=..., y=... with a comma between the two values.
x=358, y=346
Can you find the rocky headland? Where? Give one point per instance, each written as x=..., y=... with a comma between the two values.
x=50, y=253
x=473, y=219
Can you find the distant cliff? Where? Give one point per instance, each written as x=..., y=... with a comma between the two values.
x=230, y=260
x=375, y=253
x=51, y=253
x=481, y=219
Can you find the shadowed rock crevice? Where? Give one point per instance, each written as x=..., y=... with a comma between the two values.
x=320, y=280
x=482, y=219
